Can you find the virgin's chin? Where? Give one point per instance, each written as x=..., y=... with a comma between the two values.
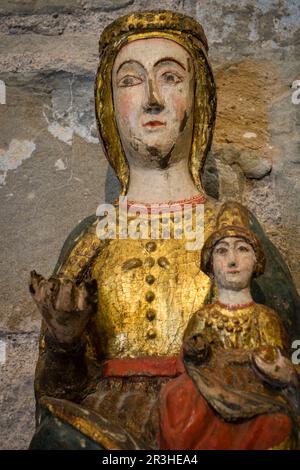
x=166, y=131
x=153, y=149
x=158, y=138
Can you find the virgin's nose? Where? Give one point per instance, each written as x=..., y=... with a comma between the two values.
x=154, y=103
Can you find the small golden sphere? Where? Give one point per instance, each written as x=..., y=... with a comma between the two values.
x=150, y=314
x=150, y=296
x=149, y=262
x=150, y=279
x=151, y=334
x=151, y=246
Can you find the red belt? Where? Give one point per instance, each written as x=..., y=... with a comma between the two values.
x=143, y=366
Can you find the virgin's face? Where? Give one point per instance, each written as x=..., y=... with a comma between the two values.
x=233, y=263
x=153, y=89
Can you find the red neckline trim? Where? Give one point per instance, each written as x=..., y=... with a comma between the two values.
x=194, y=201
x=236, y=306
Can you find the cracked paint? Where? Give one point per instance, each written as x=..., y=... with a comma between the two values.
x=18, y=151
x=70, y=113
x=2, y=92
x=250, y=135
x=65, y=134
x=60, y=165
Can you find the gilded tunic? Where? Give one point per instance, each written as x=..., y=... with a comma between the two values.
x=248, y=328
x=147, y=290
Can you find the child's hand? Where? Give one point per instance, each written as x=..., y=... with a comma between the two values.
x=275, y=368
x=196, y=348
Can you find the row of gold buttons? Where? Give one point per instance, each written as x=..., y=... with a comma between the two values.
x=150, y=279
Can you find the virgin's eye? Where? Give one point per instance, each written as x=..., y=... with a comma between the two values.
x=171, y=78
x=129, y=80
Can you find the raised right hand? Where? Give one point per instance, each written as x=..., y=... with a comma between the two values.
x=65, y=306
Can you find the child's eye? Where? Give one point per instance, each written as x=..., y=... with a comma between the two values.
x=221, y=251
x=243, y=248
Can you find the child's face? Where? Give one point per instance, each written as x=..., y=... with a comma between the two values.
x=233, y=263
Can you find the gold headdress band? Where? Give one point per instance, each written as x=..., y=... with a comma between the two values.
x=164, y=24
x=232, y=221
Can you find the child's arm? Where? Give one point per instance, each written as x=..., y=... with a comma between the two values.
x=195, y=343
x=271, y=330
x=271, y=359
x=278, y=371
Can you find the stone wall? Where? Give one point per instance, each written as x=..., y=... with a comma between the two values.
x=52, y=169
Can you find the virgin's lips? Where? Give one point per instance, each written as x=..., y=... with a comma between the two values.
x=154, y=124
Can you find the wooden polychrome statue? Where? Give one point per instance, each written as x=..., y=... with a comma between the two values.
x=116, y=307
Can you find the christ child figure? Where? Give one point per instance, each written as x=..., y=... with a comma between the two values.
x=240, y=389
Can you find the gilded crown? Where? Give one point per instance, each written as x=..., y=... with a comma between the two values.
x=151, y=21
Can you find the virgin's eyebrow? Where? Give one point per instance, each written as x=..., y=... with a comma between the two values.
x=170, y=59
x=131, y=61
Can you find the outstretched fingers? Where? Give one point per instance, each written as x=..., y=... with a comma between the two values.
x=64, y=296
x=87, y=296
x=37, y=286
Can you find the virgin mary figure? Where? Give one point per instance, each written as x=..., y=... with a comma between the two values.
x=115, y=309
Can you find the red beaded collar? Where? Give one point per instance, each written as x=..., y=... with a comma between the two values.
x=235, y=306
x=194, y=201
